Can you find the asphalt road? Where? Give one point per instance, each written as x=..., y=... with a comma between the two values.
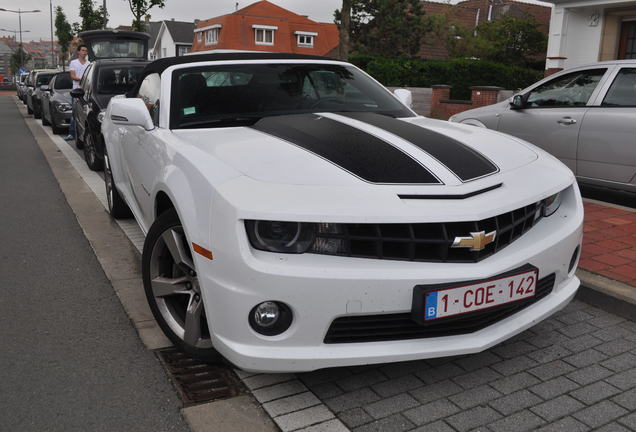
x=69, y=357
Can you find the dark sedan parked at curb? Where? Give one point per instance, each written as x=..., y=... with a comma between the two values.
x=102, y=80
x=56, y=102
x=34, y=97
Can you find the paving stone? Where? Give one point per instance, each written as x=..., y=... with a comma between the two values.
x=438, y=426
x=355, y=417
x=627, y=400
x=581, y=343
x=476, y=378
x=606, y=320
x=396, y=370
x=596, y=392
x=615, y=347
x=611, y=333
x=567, y=424
x=263, y=380
x=395, y=423
x=543, y=340
x=439, y=373
x=551, y=370
x=431, y=412
x=600, y=414
x=514, y=365
x=629, y=421
x=553, y=388
x=477, y=361
x=556, y=408
x=624, y=380
x=326, y=390
x=513, y=383
x=585, y=358
x=589, y=374
x=278, y=391
x=476, y=396
x=550, y=353
x=360, y=380
x=304, y=418
x=333, y=425
x=515, y=402
x=620, y=362
x=612, y=427
x=323, y=375
x=573, y=317
x=514, y=349
x=473, y=418
x=352, y=399
x=291, y=404
x=397, y=385
x=519, y=422
x=577, y=329
x=435, y=391
x=392, y=405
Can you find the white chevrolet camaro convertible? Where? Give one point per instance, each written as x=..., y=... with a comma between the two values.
x=299, y=216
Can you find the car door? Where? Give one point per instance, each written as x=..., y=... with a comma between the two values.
x=607, y=144
x=552, y=113
x=82, y=105
x=142, y=150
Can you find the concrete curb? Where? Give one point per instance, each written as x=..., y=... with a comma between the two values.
x=290, y=404
x=610, y=295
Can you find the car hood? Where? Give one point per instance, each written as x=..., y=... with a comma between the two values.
x=62, y=96
x=362, y=148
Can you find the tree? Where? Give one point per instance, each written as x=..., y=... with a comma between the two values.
x=343, y=21
x=140, y=8
x=92, y=18
x=509, y=40
x=18, y=59
x=388, y=27
x=64, y=33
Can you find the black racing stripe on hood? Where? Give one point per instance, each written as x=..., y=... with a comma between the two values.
x=352, y=149
x=466, y=163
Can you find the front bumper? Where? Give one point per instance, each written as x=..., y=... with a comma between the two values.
x=319, y=289
x=61, y=119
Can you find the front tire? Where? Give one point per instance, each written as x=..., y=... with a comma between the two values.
x=37, y=113
x=172, y=287
x=45, y=122
x=117, y=207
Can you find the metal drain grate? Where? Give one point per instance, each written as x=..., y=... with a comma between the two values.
x=197, y=381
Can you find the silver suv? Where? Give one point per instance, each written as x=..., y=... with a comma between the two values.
x=585, y=116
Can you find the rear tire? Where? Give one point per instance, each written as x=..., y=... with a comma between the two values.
x=90, y=153
x=45, y=122
x=37, y=113
x=117, y=207
x=172, y=288
x=29, y=110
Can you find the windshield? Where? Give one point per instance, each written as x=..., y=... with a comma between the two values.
x=118, y=48
x=235, y=95
x=118, y=79
x=43, y=79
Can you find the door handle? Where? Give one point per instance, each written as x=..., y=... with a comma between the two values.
x=566, y=121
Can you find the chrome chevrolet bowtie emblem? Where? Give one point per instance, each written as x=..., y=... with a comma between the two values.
x=476, y=242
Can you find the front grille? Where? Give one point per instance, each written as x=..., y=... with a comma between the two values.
x=430, y=242
x=400, y=326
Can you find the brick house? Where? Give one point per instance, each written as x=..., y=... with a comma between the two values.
x=471, y=13
x=263, y=26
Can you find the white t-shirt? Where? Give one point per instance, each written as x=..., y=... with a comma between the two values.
x=79, y=69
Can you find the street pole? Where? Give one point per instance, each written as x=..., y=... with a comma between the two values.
x=52, y=46
x=20, y=12
x=105, y=15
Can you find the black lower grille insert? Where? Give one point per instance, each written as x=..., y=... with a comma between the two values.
x=400, y=326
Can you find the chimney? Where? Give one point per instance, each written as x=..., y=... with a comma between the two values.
x=196, y=22
x=171, y=19
x=147, y=19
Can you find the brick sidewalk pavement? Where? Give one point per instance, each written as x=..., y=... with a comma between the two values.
x=609, y=243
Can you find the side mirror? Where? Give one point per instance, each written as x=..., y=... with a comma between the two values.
x=518, y=102
x=404, y=96
x=45, y=88
x=130, y=112
x=77, y=93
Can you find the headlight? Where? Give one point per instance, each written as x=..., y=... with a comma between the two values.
x=551, y=204
x=63, y=107
x=296, y=237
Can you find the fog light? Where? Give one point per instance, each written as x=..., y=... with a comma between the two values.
x=270, y=318
x=575, y=256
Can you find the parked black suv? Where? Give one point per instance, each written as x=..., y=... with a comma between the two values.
x=117, y=59
x=56, y=102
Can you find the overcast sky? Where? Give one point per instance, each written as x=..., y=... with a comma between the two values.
x=39, y=26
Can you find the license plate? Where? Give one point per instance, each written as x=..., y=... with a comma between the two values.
x=459, y=300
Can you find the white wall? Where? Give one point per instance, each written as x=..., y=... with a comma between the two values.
x=167, y=43
x=583, y=41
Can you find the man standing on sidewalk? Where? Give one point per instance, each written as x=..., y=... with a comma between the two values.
x=77, y=69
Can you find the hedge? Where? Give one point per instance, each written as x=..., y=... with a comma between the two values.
x=459, y=73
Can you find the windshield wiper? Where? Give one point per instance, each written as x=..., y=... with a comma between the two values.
x=222, y=121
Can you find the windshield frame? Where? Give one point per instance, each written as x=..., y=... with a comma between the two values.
x=174, y=72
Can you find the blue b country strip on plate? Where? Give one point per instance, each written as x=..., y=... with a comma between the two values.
x=431, y=305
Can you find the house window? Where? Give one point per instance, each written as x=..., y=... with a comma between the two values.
x=305, y=39
x=264, y=35
x=212, y=36
x=199, y=37
x=182, y=50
